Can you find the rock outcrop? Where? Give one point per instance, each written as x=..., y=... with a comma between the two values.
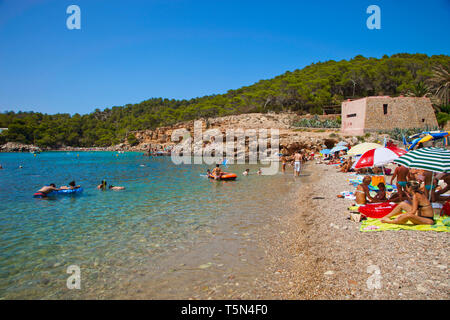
x=18, y=147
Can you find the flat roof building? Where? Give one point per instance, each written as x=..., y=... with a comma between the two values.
x=372, y=114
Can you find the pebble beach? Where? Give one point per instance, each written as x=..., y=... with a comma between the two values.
x=318, y=253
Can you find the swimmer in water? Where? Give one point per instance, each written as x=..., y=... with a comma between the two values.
x=246, y=172
x=72, y=185
x=111, y=187
x=102, y=186
x=45, y=190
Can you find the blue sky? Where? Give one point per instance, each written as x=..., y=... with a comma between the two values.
x=129, y=51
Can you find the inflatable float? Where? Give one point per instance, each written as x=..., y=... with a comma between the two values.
x=225, y=176
x=59, y=192
x=377, y=210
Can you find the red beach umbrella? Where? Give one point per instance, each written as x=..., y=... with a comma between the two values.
x=379, y=157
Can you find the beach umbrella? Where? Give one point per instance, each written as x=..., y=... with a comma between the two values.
x=431, y=159
x=325, y=151
x=363, y=147
x=378, y=157
x=338, y=148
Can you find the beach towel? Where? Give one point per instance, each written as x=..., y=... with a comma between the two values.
x=442, y=225
x=348, y=195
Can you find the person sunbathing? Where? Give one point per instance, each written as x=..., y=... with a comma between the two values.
x=362, y=192
x=438, y=194
x=347, y=165
x=420, y=212
x=381, y=194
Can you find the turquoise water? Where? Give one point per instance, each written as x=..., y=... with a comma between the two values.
x=165, y=207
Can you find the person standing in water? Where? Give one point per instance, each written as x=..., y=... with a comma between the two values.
x=297, y=163
x=102, y=186
x=217, y=172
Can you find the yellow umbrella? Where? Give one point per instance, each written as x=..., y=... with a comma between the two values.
x=362, y=148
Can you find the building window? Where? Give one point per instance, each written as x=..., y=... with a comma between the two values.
x=385, y=108
x=351, y=115
x=423, y=120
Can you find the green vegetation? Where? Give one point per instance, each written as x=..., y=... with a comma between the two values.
x=302, y=91
x=397, y=133
x=315, y=122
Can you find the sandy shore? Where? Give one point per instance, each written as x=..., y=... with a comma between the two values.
x=319, y=254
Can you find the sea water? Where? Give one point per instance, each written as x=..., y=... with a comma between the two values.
x=168, y=216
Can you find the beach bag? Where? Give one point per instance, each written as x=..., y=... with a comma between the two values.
x=445, y=211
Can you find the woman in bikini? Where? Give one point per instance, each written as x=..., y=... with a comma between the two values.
x=420, y=212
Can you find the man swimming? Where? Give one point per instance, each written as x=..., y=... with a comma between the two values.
x=45, y=190
x=401, y=173
x=363, y=193
x=297, y=163
x=246, y=172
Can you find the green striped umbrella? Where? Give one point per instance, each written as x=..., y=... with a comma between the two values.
x=431, y=159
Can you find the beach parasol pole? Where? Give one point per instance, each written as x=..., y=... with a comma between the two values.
x=432, y=184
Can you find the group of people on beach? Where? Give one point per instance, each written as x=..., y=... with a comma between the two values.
x=416, y=190
x=296, y=160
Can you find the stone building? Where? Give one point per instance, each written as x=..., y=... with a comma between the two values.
x=386, y=113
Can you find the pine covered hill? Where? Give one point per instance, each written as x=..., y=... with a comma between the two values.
x=304, y=91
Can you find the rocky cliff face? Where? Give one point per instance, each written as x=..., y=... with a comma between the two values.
x=291, y=139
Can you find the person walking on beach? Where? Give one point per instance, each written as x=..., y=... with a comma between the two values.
x=297, y=163
x=401, y=173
